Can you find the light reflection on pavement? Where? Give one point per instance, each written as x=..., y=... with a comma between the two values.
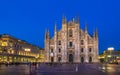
x=14, y=70
x=64, y=69
x=110, y=68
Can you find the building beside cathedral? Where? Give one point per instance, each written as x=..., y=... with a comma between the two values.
x=71, y=44
x=14, y=50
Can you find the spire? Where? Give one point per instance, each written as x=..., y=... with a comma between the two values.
x=75, y=19
x=64, y=23
x=55, y=30
x=96, y=33
x=63, y=19
x=86, y=27
x=78, y=20
x=47, y=34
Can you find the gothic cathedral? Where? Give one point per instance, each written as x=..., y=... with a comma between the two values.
x=71, y=44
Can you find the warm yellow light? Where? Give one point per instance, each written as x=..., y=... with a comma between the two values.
x=118, y=57
x=27, y=49
x=36, y=56
x=4, y=44
x=109, y=56
x=102, y=57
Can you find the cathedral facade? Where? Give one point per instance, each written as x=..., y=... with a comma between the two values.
x=71, y=44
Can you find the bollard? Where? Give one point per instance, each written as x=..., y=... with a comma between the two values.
x=76, y=67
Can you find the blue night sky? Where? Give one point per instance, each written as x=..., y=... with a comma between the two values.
x=28, y=19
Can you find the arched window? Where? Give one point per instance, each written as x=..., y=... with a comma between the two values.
x=70, y=44
x=59, y=50
x=90, y=59
x=82, y=49
x=70, y=33
x=59, y=42
x=90, y=49
x=82, y=42
x=82, y=59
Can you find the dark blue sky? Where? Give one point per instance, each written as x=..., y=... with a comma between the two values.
x=28, y=19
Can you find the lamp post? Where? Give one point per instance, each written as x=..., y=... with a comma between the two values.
x=105, y=59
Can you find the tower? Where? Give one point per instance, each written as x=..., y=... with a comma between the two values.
x=55, y=44
x=95, y=36
x=77, y=41
x=64, y=40
x=47, y=46
x=86, y=42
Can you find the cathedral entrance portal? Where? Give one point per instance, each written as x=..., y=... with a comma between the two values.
x=52, y=59
x=82, y=59
x=90, y=59
x=70, y=58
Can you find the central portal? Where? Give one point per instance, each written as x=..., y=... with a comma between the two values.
x=70, y=57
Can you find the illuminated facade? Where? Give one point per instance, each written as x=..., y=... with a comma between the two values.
x=41, y=56
x=71, y=44
x=110, y=56
x=15, y=50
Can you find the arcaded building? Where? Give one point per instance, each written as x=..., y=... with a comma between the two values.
x=14, y=50
x=71, y=44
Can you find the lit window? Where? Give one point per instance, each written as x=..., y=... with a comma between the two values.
x=27, y=49
x=4, y=44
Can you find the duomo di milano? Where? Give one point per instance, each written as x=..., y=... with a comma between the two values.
x=71, y=44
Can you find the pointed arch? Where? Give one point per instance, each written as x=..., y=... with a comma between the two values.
x=70, y=33
x=82, y=59
x=90, y=59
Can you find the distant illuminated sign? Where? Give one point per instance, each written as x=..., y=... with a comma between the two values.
x=110, y=48
x=27, y=49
